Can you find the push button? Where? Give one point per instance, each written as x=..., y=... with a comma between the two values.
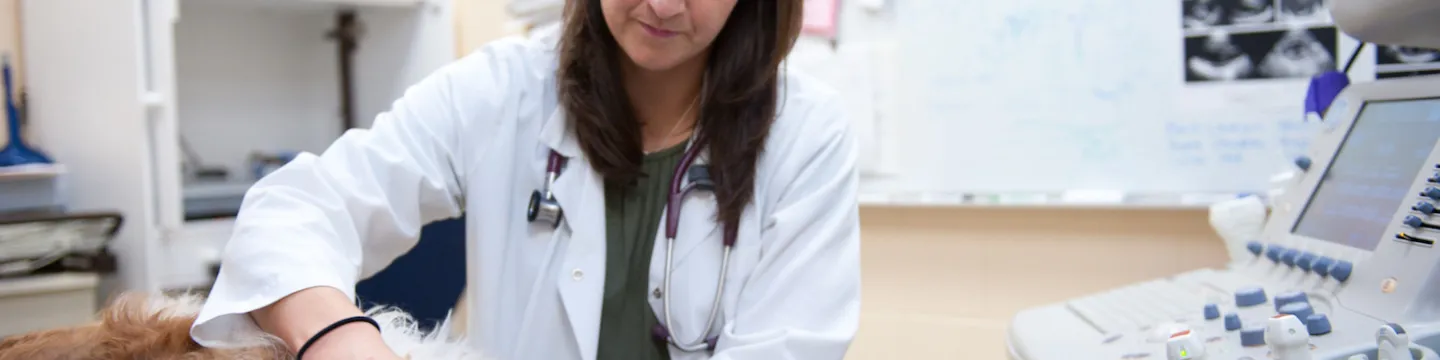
x=1322, y=265
x=1303, y=163
x=1414, y=221
x=1424, y=208
x=1290, y=297
x=1212, y=312
x=1250, y=296
x=1304, y=261
x=1232, y=322
x=1274, y=252
x=1301, y=310
x=1318, y=324
x=1289, y=256
x=1253, y=336
x=1255, y=247
x=1342, y=270
x=1431, y=192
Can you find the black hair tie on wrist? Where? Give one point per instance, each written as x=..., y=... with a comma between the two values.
x=301, y=354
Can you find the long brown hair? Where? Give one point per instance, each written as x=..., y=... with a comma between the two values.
x=738, y=98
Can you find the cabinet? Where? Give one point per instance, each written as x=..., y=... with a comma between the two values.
x=115, y=84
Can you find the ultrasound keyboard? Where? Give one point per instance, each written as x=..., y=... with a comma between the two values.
x=1345, y=267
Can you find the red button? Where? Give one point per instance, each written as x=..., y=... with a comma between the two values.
x=1179, y=334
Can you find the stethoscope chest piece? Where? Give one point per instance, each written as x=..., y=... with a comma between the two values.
x=544, y=209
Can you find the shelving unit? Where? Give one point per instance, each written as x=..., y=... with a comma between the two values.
x=114, y=88
x=31, y=172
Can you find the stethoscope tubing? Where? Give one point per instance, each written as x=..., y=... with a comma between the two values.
x=674, y=199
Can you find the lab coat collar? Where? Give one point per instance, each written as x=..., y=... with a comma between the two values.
x=580, y=191
x=556, y=134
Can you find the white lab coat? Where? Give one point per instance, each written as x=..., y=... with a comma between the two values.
x=474, y=138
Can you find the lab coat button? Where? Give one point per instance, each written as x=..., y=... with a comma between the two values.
x=656, y=293
x=577, y=274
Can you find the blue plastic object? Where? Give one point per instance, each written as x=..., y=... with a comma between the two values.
x=1250, y=296
x=1290, y=297
x=1301, y=310
x=1303, y=163
x=1212, y=312
x=1324, y=88
x=16, y=152
x=1425, y=208
x=1288, y=257
x=1232, y=322
x=1322, y=266
x=1317, y=324
x=1414, y=221
x=1432, y=193
x=1342, y=270
x=1252, y=336
x=1274, y=252
x=1255, y=247
x=1305, y=260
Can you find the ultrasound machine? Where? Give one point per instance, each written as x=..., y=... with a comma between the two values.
x=1347, y=266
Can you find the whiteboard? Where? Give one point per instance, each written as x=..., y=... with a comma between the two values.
x=1050, y=96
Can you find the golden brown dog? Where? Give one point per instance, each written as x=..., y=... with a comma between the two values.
x=145, y=327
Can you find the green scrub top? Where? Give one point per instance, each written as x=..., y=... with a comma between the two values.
x=632, y=219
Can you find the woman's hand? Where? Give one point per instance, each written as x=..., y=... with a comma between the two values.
x=353, y=341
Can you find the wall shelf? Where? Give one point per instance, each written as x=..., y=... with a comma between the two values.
x=30, y=172
x=1041, y=201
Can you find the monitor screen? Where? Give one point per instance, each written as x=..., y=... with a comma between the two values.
x=1371, y=173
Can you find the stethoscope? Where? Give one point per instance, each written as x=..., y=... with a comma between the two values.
x=546, y=210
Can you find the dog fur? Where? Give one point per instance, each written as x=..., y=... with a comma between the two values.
x=149, y=327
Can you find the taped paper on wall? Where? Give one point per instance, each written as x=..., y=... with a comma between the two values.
x=820, y=18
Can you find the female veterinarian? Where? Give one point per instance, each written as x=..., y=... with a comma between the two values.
x=652, y=184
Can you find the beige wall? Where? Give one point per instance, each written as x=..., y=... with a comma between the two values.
x=10, y=45
x=478, y=22
x=943, y=283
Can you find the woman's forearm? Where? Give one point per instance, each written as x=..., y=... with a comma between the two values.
x=299, y=316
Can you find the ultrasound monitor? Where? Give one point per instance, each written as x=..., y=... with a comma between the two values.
x=1371, y=172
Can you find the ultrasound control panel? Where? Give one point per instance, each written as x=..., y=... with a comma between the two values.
x=1346, y=267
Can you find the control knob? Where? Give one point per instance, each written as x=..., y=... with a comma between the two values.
x=1287, y=337
x=1303, y=163
x=1318, y=324
x=1431, y=192
x=1414, y=221
x=1255, y=247
x=1232, y=322
x=1184, y=345
x=1424, y=208
x=1290, y=297
x=1393, y=343
x=1250, y=296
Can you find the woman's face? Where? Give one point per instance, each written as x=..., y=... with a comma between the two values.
x=660, y=34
